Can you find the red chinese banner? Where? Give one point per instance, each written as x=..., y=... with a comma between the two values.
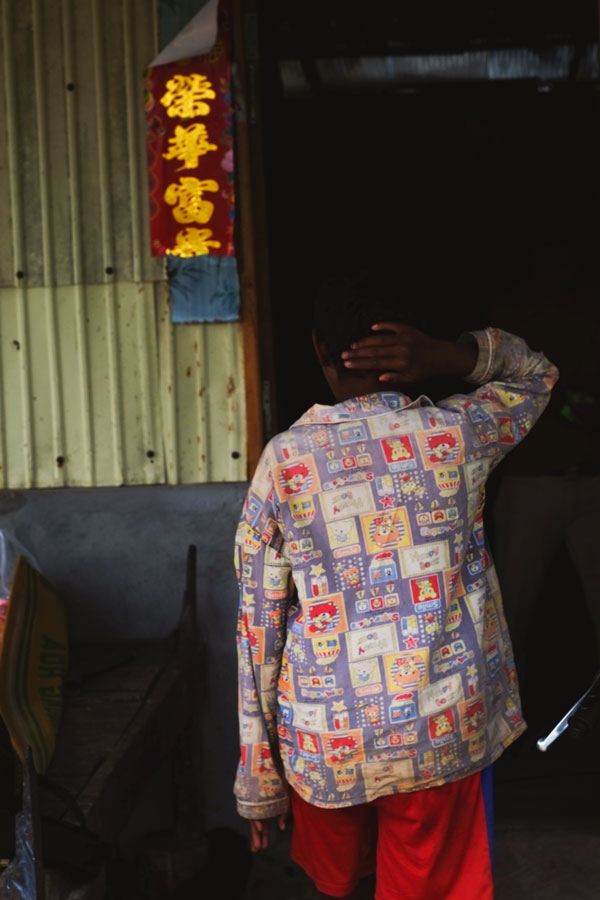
x=190, y=148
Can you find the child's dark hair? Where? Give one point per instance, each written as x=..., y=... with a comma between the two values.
x=347, y=306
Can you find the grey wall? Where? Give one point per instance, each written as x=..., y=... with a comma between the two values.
x=117, y=557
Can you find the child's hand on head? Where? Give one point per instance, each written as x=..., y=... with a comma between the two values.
x=401, y=353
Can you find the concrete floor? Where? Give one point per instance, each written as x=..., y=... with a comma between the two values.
x=531, y=864
x=547, y=830
x=547, y=825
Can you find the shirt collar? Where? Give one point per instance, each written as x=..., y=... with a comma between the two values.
x=360, y=407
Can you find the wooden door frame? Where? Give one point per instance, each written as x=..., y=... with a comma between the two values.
x=253, y=259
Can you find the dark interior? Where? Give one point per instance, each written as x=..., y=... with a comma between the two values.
x=479, y=197
x=452, y=185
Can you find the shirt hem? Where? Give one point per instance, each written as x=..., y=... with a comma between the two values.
x=426, y=785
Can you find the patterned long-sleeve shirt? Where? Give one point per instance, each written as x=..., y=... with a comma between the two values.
x=373, y=651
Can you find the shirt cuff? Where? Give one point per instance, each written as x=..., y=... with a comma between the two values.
x=266, y=809
x=483, y=366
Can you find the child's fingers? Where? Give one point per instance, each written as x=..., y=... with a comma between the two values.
x=259, y=835
x=379, y=340
x=254, y=838
x=396, y=327
x=394, y=353
x=392, y=378
x=393, y=363
x=362, y=362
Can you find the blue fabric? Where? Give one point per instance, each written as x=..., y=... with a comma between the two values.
x=204, y=289
x=487, y=789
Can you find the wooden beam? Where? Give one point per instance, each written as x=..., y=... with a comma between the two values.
x=252, y=233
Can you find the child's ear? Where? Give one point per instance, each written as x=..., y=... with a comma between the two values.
x=321, y=350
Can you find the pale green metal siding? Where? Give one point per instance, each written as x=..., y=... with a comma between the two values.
x=97, y=387
x=203, y=400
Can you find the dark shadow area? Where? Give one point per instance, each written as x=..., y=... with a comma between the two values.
x=478, y=200
x=453, y=193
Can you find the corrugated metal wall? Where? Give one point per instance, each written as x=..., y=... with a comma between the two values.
x=97, y=387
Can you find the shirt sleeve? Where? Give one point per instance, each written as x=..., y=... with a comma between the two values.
x=265, y=587
x=514, y=389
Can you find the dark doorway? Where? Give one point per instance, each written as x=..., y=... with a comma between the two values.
x=448, y=184
x=475, y=194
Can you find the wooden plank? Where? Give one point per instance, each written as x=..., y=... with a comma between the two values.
x=90, y=734
x=118, y=666
x=253, y=262
x=108, y=797
x=59, y=887
x=128, y=707
x=106, y=688
x=52, y=806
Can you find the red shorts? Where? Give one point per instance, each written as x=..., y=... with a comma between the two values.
x=423, y=845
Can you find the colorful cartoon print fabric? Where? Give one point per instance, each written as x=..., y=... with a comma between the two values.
x=373, y=651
